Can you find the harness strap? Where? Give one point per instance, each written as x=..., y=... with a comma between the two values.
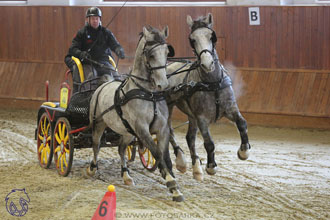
x=137, y=94
x=96, y=101
x=117, y=106
x=140, y=93
x=217, y=104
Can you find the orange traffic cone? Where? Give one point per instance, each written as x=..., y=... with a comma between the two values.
x=107, y=207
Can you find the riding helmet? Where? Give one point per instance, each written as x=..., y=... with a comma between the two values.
x=93, y=11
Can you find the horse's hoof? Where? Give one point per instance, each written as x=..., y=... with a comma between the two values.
x=211, y=170
x=172, y=186
x=90, y=172
x=198, y=176
x=181, y=168
x=128, y=180
x=180, y=161
x=198, y=172
x=179, y=198
x=243, y=152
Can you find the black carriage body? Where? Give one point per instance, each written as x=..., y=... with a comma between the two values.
x=77, y=113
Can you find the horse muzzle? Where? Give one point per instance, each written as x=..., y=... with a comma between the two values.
x=207, y=62
x=159, y=81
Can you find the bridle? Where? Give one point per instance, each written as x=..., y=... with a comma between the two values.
x=213, y=39
x=147, y=52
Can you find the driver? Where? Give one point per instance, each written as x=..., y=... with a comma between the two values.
x=95, y=42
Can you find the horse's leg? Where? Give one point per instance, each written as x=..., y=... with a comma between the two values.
x=128, y=180
x=191, y=138
x=211, y=166
x=167, y=173
x=96, y=139
x=235, y=116
x=180, y=160
x=161, y=154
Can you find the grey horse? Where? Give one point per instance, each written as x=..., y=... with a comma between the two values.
x=137, y=108
x=203, y=91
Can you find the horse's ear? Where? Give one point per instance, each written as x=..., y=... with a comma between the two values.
x=145, y=31
x=165, y=31
x=190, y=21
x=210, y=20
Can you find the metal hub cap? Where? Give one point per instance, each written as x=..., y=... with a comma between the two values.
x=44, y=140
x=62, y=146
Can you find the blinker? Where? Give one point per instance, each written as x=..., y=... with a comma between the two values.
x=171, y=52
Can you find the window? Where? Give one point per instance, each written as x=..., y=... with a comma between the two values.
x=166, y=3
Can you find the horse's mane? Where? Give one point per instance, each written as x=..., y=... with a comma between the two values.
x=158, y=37
x=199, y=23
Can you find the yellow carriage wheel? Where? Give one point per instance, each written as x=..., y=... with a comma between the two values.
x=147, y=160
x=63, y=146
x=44, y=141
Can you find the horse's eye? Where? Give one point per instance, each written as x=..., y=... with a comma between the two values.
x=151, y=57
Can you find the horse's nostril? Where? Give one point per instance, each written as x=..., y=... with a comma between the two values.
x=159, y=87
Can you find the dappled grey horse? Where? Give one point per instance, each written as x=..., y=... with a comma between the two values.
x=203, y=91
x=137, y=108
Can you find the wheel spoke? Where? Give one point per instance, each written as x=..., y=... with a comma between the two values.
x=63, y=131
x=66, y=150
x=47, y=129
x=41, y=137
x=60, y=130
x=57, y=138
x=58, y=148
x=42, y=157
x=62, y=170
x=149, y=157
x=41, y=147
x=45, y=156
x=64, y=159
x=44, y=125
x=129, y=152
x=48, y=149
x=58, y=160
x=48, y=138
x=66, y=139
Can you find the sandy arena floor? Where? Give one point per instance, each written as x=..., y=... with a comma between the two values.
x=286, y=177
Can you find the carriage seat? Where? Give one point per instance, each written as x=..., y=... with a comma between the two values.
x=86, y=83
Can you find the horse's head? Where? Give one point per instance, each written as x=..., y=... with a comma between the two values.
x=203, y=39
x=155, y=52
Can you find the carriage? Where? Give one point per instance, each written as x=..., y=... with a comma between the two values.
x=64, y=125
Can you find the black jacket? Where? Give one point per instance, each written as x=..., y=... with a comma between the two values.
x=85, y=39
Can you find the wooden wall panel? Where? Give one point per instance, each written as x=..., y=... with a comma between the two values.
x=288, y=37
x=283, y=65
x=283, y=91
